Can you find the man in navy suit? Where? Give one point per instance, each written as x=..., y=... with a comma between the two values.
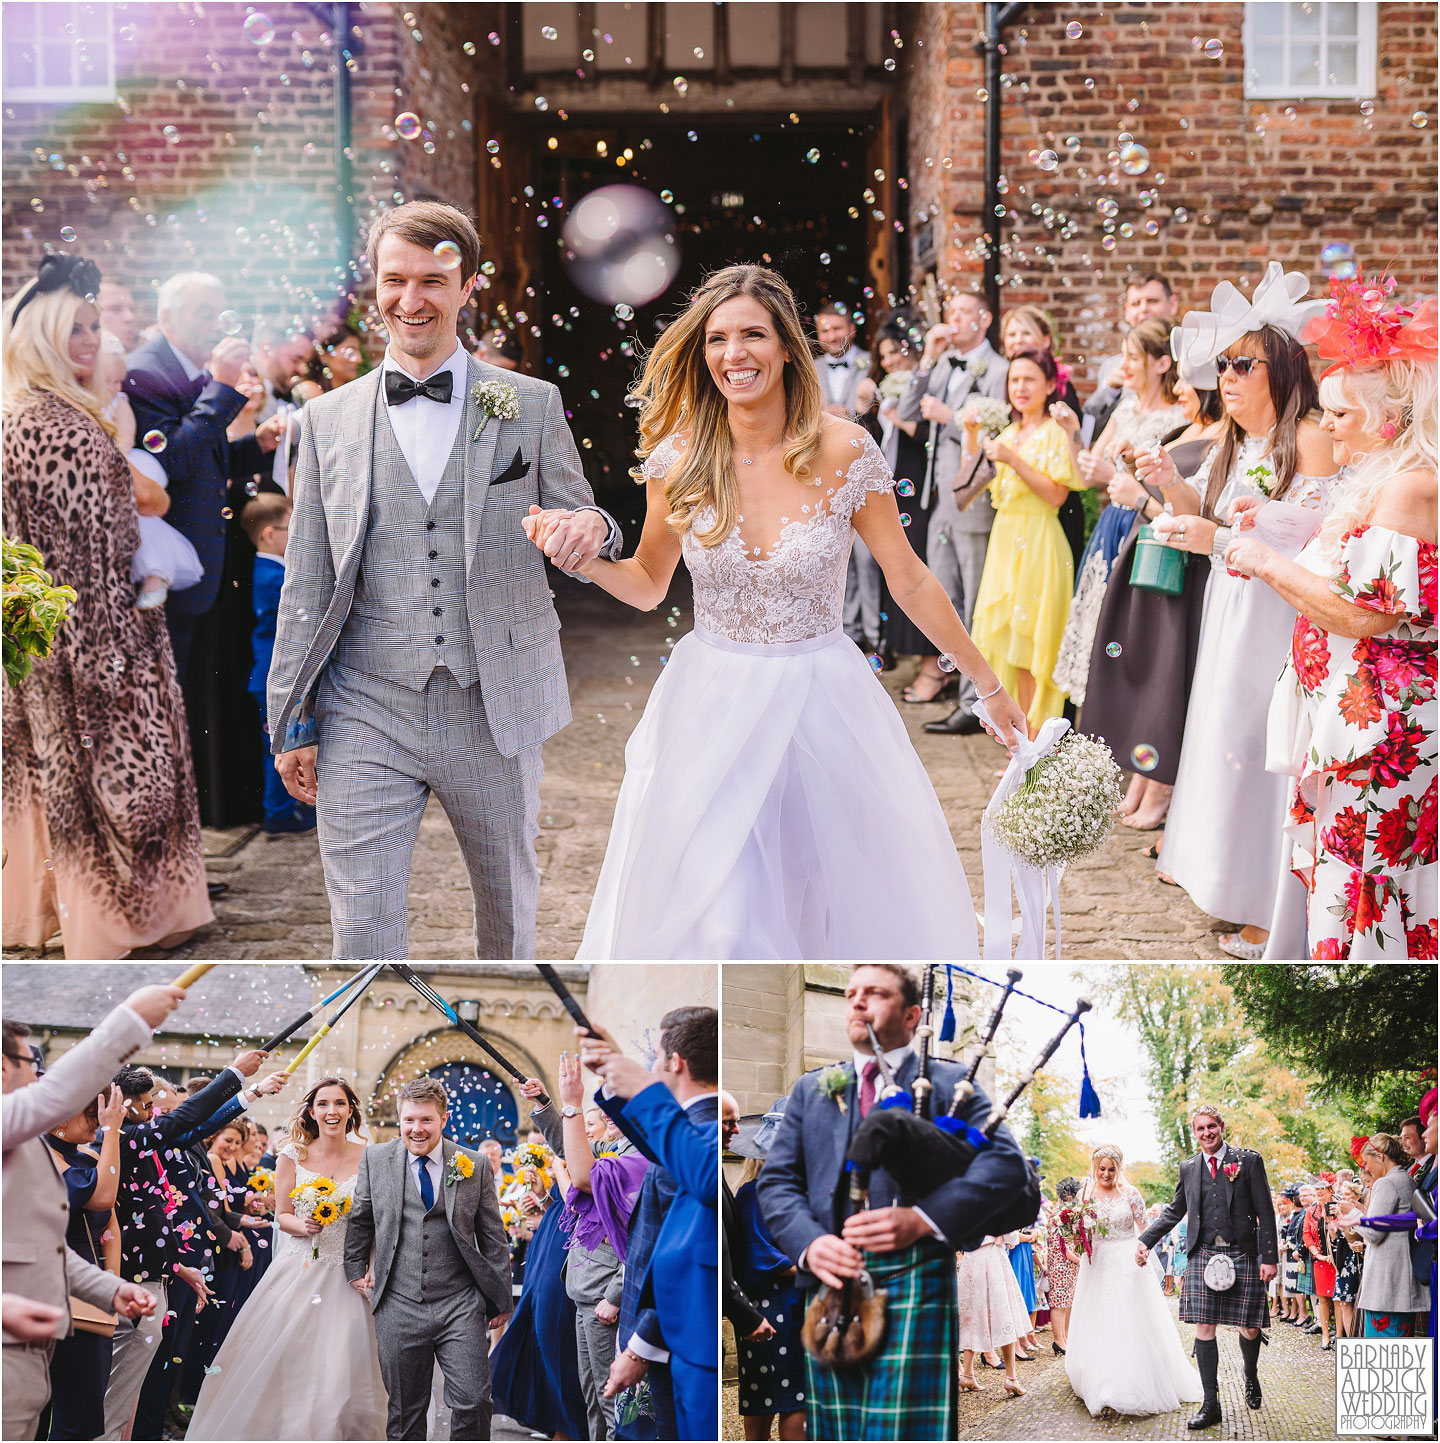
x=907, y=1245
x=670, y=1309
x=181, y=384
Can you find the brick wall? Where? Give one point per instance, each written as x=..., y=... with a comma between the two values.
x=220, y=154
x=1243, y=181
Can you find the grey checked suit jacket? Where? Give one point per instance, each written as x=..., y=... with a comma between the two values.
x=512, y=620
x=471, y=1208
x=979, y=514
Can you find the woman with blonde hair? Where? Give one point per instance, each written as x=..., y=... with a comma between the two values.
x=300, y=1359
x=1358, y=689
x=1122, y=1349
x=770, y=774
x=101, y=822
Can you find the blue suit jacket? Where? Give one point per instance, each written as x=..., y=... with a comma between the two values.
x=269, y=577
x=682, y=1274
x=199, y=461
x=804, y=1167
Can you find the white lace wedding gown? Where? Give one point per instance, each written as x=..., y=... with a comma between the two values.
x=1123, y=1350
x=300, y=1360
x=773, y=805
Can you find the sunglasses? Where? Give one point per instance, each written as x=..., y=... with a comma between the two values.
x=1241, y=365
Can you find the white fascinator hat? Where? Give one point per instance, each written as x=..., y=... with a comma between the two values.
x=1279, y=300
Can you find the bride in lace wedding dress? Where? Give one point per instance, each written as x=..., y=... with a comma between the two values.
x=300, y=1360
x=773, y=805
x=1123, y=1351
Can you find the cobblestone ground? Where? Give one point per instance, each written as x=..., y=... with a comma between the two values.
x=1298, y=1381
x=276, y=906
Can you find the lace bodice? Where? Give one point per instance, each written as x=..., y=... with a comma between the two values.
x=1139, y=429
x=332, y=1239
x=796, y=591
x=1313, y=491
x=1123, y=1214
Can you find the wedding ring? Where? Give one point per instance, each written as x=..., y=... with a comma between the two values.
x=574, y=556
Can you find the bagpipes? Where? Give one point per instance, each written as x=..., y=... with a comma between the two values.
x=845, y=1327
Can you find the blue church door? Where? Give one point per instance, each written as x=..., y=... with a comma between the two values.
x=480, y=1104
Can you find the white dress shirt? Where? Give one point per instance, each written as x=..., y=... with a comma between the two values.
x=424, y=428
x=956, y=372
x=836, y=373
x=431, y=1162
x=637, y=1344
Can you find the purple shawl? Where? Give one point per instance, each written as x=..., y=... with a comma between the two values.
x=604, y=1212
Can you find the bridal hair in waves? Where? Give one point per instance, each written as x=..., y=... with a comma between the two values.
x=1113, y=1153
x=1401, y=394
x=676, y=392
x=303, y=1129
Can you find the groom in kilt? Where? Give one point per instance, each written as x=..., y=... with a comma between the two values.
x=908, y=1246
x=1224, y=1197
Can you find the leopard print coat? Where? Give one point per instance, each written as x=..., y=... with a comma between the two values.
x=98, y=775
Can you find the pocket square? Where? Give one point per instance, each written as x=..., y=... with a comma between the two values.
x=513, y=472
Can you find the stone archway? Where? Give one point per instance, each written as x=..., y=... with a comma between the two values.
x=442, y=1048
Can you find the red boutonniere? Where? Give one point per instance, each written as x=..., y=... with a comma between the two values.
x=1232, y=1170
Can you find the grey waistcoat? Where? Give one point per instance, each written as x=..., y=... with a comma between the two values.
x=428, y=1265
x=408, y=615
x=588, y=1272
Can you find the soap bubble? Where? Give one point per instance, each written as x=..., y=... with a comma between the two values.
x=549, y=32
x=154, y=442
x=681, y=84
x=1420, y=119
x=1134, y=159
x=468, y=47
x=1074, y=30
x=946, y=662
x=1113, y=648
x=877, y=662
x=541, y=103
x=1338, y=260
x=621, y=245
x=257, y=28
x=1215, y=49
x=171, y=134
x=67, y=233
x=230, y=322
x=447, y=255
x=812, y=155
x=493, y=146
x=407, y=125
x=1144, y=757
x=904, y=488
x=1047, y=160
x=904, y=518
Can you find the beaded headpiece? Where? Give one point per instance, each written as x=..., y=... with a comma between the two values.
x=1357, y=331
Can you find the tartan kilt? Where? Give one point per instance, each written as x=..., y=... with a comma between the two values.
x=908, y=1390
x=1242, y=1306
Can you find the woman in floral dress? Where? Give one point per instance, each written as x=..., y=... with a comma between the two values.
x=1061, y=1266
x=1363, y=654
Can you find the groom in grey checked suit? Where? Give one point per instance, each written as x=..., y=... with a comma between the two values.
x=417, y=649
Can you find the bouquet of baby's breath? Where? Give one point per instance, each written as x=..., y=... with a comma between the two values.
x=990, y=415
x=1064, y=808
x=894, y=384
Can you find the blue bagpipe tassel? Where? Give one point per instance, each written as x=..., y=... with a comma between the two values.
x=1089, y=1098
x=947, y=1022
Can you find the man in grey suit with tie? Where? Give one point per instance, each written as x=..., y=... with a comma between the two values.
x=417, y=648
x=426, y=1245
x=841, y=366
x=958, y=362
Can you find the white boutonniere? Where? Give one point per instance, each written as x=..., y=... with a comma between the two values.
x=834, y=1082
x=978, y=367
x=495, y=398
x=1262, y=478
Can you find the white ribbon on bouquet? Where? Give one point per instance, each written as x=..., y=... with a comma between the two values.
x=1003, y=870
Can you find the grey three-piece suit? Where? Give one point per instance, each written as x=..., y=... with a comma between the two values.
x=957, y=539
x=417, y=646
x=440, y=1274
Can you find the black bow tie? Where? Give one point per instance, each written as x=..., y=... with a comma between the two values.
x=838, y=365
x=400, y=388
x=958, y=361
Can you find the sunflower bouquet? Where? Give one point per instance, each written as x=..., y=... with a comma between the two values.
x=315, y=1201
x=531, y=1163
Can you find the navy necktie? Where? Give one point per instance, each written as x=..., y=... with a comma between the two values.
x=427, y=1188
x=400, y=388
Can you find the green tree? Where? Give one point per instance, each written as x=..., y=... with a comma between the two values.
x=1365, y=1030
x=1044, y=1124
x=1156, y=1184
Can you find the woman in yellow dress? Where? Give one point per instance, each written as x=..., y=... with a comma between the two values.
x=1029, y=573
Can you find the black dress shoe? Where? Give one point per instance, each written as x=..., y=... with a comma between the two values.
x=217, y=889
x=1252, y=1392
x=1312, y=1328
x=961, y=722
x=1209, y=1414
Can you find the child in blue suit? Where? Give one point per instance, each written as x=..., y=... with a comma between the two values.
x=266, y=520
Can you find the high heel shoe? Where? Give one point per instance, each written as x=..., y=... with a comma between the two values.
x=1059, y=1351
x=969, y=1385
x=1013, y=1388
x=949, y=686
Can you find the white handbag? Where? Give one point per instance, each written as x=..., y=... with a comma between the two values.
x=1219, y=1273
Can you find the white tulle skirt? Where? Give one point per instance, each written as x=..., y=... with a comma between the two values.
x=299, y=1362
x=773, y=806
x=1123, y=1350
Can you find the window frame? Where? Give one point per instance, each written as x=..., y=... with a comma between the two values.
x=98, y=92
x=1366, y=28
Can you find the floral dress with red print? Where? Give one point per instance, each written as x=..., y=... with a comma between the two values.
x=1363, y=815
